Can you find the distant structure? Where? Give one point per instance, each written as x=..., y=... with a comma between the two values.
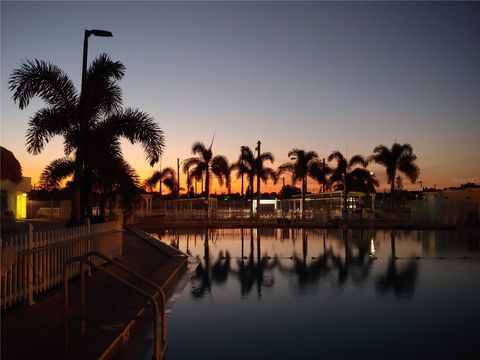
x=14, y=188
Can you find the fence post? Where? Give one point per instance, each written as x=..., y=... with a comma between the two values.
x=30, y=284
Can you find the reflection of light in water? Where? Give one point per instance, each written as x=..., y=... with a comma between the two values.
x=372, y=249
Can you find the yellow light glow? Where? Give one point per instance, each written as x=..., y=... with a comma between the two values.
x=21, y=206
x=372, y=248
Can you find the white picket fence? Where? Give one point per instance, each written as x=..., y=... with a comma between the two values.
x=38, y=257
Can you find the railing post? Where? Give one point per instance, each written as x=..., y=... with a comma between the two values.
x=30, y=284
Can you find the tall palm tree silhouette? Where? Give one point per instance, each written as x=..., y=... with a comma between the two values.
x=99, y=104
x=262, y=172
x=241, y=166
x=205, y=164
x=350, y=175
x=166, y=176
x=300, y=167
x=399, y=157
x=254, y=166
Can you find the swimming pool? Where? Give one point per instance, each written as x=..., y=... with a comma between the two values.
x=341, y=294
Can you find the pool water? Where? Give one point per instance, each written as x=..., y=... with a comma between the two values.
x=336, y=294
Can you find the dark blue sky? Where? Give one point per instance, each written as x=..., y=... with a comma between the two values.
x=322, y=76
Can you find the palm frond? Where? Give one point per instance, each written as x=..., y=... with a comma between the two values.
x=409, y=168
x=221, y=169
x=199, y=148
x=138, y=126
x=357, y=160
x=103, y=67
x=319, y=171
x=56, y=171
x=102, y=94
x=189, y=163
x=284, y=168
x=45, y=124
x=42, y=79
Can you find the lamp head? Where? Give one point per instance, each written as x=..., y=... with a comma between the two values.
x=101, y=33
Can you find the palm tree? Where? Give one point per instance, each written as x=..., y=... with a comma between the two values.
x=98, y=107
x=253, y=166
x=241, y=165
x=167, y=176
x=399, y=157
x=205, y=164
x=351, y=175
x=262, y=172
x=300, y=167
x=320, y=171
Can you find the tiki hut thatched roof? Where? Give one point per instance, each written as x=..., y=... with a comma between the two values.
x=10, y=167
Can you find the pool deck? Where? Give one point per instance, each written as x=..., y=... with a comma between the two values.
x=37, y=331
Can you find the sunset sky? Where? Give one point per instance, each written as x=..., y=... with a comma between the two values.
x=313, y=75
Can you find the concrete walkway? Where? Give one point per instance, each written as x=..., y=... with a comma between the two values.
x=37, y=331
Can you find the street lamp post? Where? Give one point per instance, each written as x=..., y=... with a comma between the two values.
x=259, y=143
x=80, y=197
x=178, y=173
x=100, y=33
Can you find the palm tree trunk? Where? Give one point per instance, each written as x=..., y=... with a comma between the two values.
x=207, y=183
x=258, y=195
x=250, y=181
x=207, y=193
x=344, y=195
x=392, y=191
x=243, y=203
x=242, y=186
x=304, y=191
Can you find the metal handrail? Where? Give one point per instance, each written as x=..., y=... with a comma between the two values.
x=84, y=261
x=163, y=317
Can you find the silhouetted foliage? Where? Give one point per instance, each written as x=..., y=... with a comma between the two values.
x=98, y=107
x=303, y=164
x=205, y=164
x=166, y=176
x=288, y=191
x=399, y=157
x=10, y=166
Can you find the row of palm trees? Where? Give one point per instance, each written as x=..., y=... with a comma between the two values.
x=93, y=156
x=347, y=174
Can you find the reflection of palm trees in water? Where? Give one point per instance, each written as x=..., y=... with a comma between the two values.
x=309, y=274
x=255, y=271
x=221, y=268
x=250, y=272
x=218, y=272
x=201, y=283
x=401, y=282
x=355, y=267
